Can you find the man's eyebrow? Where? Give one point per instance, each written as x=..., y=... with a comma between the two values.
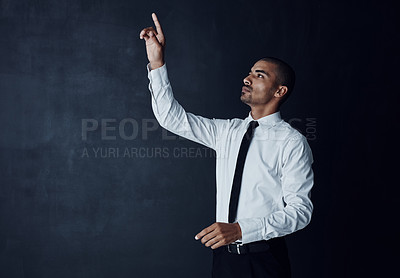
x=266, y=73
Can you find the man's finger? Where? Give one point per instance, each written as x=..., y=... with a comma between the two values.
x=157, y=24
x=217, y=245
x=209, y=236
x=142, y=33
x=204, y=232
x=146, y=31
x=212, y=241
x=201, y=234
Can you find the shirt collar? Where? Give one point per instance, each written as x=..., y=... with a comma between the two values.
x=270, y=119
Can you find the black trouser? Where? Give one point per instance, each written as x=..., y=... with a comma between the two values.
x=272, y=263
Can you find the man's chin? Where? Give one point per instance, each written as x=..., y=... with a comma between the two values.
x=245, y=99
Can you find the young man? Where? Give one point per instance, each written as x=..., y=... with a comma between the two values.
x=264, y=174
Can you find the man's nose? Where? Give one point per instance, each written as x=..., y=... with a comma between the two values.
x=246, y=81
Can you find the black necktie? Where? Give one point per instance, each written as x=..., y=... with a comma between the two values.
x=237, y=180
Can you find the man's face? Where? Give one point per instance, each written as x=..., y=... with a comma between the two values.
x=260, y=84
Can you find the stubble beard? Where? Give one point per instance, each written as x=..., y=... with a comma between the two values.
x=246, y=98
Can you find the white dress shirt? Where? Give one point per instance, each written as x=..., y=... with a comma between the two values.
x=277, y=178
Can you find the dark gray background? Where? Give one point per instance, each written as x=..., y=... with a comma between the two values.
x=68, y=215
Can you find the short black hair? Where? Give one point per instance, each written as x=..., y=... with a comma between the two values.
x=284, y=73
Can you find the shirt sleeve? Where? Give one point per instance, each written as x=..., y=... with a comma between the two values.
x=172, y=116
x=297, y=181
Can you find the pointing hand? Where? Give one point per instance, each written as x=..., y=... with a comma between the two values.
x=155, y=43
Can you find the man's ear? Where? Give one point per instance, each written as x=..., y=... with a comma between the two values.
x=282, y=90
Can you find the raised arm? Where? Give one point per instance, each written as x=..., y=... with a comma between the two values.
x=169, y=113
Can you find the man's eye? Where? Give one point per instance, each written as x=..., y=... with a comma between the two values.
x=259, y=75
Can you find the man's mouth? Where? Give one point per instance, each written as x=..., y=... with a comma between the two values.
x=245, y=90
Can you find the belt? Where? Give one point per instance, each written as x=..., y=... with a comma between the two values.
x=252, y=247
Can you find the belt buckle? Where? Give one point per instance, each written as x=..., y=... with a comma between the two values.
x=237, y=246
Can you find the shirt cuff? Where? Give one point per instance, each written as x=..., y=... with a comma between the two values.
x=251, y=229
x=158, y=77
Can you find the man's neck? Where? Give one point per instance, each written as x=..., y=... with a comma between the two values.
x=258, y=113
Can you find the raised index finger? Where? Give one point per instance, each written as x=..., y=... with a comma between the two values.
x=157, y=23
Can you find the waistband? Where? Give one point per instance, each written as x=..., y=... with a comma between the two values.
x=254, y=247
